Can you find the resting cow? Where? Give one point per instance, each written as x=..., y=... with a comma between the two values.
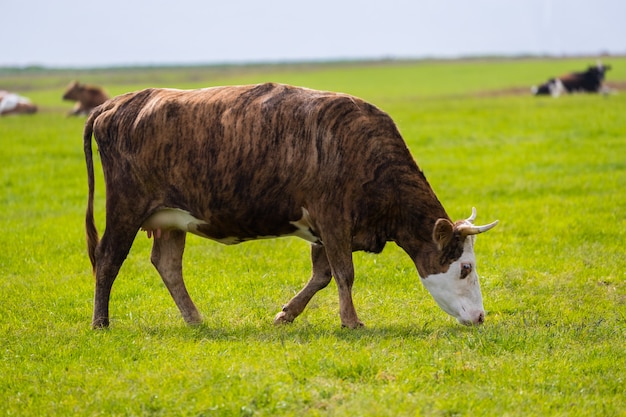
x=589, y=81
x=87, y=97
x=247, y=162
x=11, y=103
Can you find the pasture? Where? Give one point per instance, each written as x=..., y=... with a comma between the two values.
x=553, y=273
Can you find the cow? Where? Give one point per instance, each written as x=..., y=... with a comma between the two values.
x=589, y=81
x=11, y=103
x=87, y=97
x=238, y=163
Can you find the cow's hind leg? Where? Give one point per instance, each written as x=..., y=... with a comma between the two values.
x=110, y=254
x=167, y=257
x=319, y=279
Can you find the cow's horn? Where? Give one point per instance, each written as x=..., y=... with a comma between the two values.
x=467, y=230
x=471, y=218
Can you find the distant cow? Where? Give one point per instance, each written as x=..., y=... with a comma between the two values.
x=247, y=162
x=589, y=81
x=11, y=103
x=87, y=97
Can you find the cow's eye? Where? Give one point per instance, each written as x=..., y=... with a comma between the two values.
x=466, y=268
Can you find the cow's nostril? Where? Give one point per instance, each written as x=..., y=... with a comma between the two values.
x=481, y=318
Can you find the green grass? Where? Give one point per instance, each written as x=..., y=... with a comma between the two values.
x=552, y=171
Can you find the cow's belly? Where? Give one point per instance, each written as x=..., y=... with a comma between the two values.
x=168, y=219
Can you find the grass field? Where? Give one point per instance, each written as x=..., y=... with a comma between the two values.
x=553, y=275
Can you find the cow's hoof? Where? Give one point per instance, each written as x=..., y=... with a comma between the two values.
x=191, y=316
x=100, y=324
x=193, y=321
x=356, y=325
x=282, y=318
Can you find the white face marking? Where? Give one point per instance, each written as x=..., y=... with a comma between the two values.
x=457, y=291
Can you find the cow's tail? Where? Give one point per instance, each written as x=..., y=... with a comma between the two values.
x=90, y=225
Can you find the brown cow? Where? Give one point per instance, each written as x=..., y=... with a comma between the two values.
x=11, y=103
x=87, y=97
x=239, y=163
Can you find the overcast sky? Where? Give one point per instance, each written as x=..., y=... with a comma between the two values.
x=83, y=33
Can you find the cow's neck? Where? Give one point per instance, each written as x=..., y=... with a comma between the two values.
x=415, y=234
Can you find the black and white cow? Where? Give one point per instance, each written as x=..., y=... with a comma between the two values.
x=590, y=81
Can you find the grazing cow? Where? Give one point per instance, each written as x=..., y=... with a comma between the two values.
x=589, y=81
x=247, y=162
x=11, y=103
x=87, y=97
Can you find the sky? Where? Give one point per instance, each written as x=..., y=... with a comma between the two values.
x=84, y=34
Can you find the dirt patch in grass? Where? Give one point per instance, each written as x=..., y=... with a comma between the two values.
x=614, y=86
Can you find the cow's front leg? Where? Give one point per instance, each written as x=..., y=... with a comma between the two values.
x=339, y=253
x=319, y=279
x=344, y=276
x=167, y=257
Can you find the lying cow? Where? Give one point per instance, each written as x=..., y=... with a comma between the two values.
x=87, y=97
x=589, y=81
x=240, y=163
x=11, y=103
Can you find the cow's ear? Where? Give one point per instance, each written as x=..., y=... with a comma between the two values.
x=442, y=233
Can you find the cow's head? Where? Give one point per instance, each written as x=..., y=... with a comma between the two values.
x=598, y=71
x=457, y=290
x=601, y=67
x=73, y=91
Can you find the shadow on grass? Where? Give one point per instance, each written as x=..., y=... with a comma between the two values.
x=302, y=333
